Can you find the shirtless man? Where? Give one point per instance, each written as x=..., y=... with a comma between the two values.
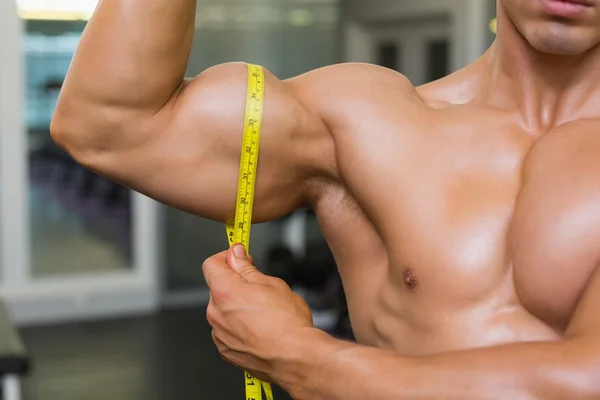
x=464, y=214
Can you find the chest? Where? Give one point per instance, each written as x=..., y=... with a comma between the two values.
x=468, y=209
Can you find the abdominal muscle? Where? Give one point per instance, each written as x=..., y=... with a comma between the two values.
x=385, y=317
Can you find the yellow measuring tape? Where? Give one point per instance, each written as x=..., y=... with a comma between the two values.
x=239, y=232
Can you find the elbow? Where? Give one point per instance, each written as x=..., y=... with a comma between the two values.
x=79, y=133
x=65, y=137
x=68, y=131
x=59, y=131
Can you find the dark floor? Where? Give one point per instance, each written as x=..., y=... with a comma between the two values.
x=169, y=356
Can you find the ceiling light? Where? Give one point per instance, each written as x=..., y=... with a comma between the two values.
x=61, y=10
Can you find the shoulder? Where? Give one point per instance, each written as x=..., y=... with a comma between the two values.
x=339, y=91
x=349, y=78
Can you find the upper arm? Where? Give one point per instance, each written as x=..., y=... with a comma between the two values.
x=187, y=155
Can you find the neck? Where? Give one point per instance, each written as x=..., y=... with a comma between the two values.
x=548, y=90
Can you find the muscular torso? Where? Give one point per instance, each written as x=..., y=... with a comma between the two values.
x=456, y=228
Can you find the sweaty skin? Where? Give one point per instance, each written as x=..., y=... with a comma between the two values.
x=464, y=215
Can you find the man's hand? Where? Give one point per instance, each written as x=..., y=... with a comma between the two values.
x=254, y=316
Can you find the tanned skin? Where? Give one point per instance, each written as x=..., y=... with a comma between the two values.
x=464, y=215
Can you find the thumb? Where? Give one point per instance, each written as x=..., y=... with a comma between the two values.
x=238, y=260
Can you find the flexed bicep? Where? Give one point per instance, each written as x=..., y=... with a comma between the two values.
x=187, y=155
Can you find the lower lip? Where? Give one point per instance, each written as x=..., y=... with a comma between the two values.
x=564, y=9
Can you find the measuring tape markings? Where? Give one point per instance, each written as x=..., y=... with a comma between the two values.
x=239, y=232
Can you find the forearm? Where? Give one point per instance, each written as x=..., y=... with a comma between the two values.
x=333, y=370
x=133, y=54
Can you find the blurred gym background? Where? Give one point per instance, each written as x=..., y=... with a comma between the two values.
x=102, y=295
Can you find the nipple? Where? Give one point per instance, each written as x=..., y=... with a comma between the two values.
x=410, y=279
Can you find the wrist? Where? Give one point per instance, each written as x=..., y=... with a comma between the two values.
x=309, y=350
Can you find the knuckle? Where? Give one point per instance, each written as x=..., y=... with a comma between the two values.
x=279, y=283
x=215, y=339
x=220, y=293
x=206, y=264
x=247, y=270
x=212, y=315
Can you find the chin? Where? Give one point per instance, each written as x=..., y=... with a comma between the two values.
x=558, y=39
x=557, y=48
